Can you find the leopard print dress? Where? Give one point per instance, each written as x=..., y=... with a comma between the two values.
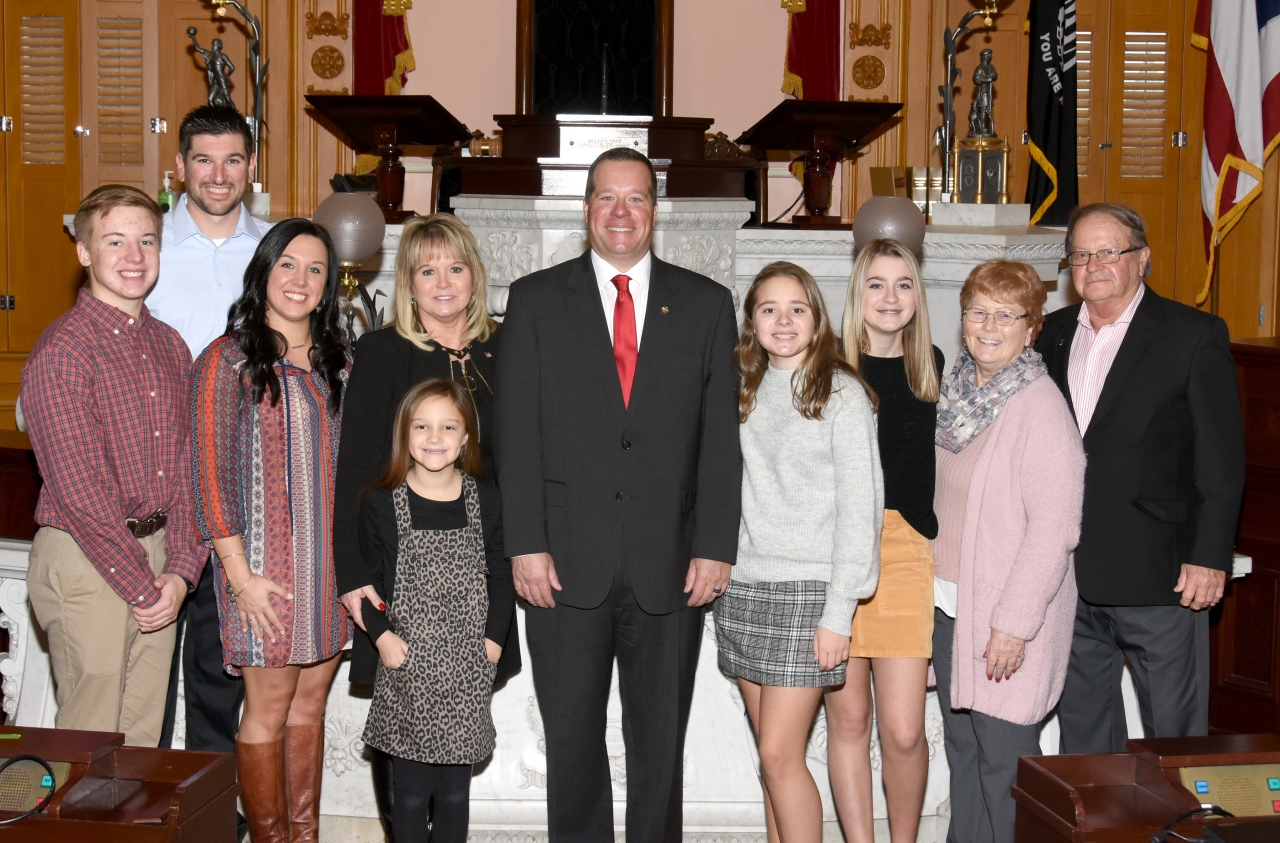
x=434, y=708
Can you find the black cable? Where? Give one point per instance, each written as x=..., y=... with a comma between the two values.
x=1163, y=835
x=43, y=803
x=793, y=204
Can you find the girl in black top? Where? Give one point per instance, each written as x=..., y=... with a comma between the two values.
x=440, y=329
x=886, y=339
x=431, y=529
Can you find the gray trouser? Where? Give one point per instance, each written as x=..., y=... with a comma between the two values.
x=1168, y=651
x=983, y=753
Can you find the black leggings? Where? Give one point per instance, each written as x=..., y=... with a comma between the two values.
x=440, y=793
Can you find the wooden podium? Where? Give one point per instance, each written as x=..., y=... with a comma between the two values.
x=826, y=130
x=1132, y=796
x=111, y=793
x=383, y=124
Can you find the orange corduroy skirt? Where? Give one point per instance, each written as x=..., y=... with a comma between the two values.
x=897, y=621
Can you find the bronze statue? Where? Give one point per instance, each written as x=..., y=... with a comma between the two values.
x=981, y=122
x=217, y=67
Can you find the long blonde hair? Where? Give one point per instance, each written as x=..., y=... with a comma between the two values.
x=425, y=238
x=917, y=343
x=811, y=384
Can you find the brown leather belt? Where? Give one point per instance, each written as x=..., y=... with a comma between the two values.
x=149, y=526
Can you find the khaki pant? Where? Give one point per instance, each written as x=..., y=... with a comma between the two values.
x=110, y=677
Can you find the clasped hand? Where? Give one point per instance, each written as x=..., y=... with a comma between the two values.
x=173, y=590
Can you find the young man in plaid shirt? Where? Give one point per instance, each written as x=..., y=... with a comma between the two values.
x=105, y=393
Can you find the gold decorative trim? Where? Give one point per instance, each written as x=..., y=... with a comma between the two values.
x=793, y=6
x=719, y=147
x=326, y=24
x=396, y=8
x=325, y=92
x=868, y=72
x=328, y=62
x=870, y=36
x=852, y=98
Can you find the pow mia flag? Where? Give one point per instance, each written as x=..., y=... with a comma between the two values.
x=1052, y=189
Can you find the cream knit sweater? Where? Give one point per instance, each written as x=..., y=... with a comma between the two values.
x=812, y=495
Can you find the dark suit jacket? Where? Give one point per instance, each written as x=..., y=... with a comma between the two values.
x=594, y=482
x=1165, y=448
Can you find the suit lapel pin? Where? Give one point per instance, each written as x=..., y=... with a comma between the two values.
x=666, y=309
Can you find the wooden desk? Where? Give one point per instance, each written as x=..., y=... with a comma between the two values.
x=1131, y=796
x=110, y=793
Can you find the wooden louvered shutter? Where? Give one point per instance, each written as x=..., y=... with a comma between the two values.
x=42, y=115
x=1143, y=129
x=1144, y=107
x=119, y=91
x=119, y=96
x=42, y=94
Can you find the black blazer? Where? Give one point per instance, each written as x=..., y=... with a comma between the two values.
x=1165, y=450
x=386, y=366
x=594, y=482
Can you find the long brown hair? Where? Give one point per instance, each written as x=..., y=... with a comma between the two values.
x=811, y=382
x=401, y=461
x=917, y=344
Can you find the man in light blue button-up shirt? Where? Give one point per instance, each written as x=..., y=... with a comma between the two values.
x=208, y=239
x=209, y=236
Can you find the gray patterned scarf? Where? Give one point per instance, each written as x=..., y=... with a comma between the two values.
x=965, y=410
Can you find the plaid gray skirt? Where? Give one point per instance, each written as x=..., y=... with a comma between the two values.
x=764, y=632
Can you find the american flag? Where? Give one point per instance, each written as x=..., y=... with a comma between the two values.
x=1241, y=108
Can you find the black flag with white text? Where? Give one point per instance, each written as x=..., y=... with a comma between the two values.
x=1052, y=190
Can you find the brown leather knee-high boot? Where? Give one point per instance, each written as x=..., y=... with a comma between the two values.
x=262, y=790
x=304, y=752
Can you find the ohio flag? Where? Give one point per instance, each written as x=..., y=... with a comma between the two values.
x=1241, y=109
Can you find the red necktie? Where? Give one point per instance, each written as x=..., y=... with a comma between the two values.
x=625, y=347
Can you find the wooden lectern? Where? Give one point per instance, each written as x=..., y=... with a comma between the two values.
x=383, y=124
x=110, y=793
x=825, y=129
x=1132, y=796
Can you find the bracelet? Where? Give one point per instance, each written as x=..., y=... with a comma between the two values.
x=229, y=555
x=235, y=593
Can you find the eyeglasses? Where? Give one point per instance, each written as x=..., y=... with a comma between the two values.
x=1003, y=317
x=1103, y=255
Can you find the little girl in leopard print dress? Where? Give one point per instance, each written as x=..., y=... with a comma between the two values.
x=431, y=529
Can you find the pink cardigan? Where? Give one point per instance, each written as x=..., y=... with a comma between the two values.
x=1022, y=523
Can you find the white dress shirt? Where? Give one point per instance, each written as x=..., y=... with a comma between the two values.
x=638, y=287
x=200, y=277
x=1092, y=354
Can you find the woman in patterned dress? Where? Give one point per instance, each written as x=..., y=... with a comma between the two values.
x=265, y=416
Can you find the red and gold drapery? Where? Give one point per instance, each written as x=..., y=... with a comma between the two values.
x=812, y=67
x=380, y=49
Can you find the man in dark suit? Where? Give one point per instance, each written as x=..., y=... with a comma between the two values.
x=1153, y=388
x=617, y=449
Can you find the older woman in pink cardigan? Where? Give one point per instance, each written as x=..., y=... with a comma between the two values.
x=1010, y=482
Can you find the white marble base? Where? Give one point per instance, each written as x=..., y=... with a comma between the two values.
x=961, y=213
x=950, y=253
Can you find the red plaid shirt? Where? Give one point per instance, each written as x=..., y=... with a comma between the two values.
x=106, y=400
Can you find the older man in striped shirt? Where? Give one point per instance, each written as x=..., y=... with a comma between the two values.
x=1153, y=388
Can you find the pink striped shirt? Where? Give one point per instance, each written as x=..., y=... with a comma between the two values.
x=1092, y=353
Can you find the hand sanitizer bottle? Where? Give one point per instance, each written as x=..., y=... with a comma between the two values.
x=165, y=197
